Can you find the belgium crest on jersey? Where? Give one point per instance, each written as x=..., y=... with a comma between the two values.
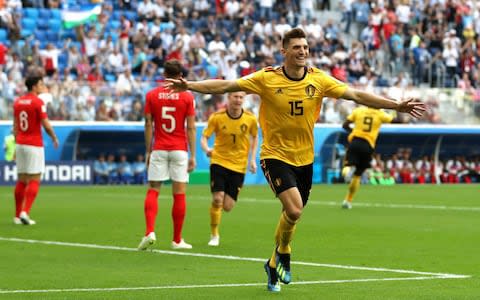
x=310, y=91
x=243, y=127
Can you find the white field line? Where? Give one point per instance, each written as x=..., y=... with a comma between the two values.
x=382, y=205
x=312, y=202
x=197, y=286
x=231, y=257
x=359, y=204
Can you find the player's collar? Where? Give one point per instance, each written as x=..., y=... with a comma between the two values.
x=305, y=69
x=233, y=118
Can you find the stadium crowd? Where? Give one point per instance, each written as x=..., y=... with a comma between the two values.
x=400, y=168
x=100, y=71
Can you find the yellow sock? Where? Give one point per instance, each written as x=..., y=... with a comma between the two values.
x=353, y=188
x=215, y=217
x=283, y=236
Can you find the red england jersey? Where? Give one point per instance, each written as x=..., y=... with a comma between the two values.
x=169, y=114
x=28, y=111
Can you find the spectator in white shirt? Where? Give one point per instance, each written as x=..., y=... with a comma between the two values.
x=185, y=37
x=90, y=43
x=146, y=10
x=215, y=47
x=315, y=29
x=232, y=8
x=115, y=61
x=282, y=26
x=237, y=48
x=50, y=58
x=259, y=28
x=159, y=9
x=167, y=39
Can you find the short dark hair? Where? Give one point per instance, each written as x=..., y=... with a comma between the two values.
x=173, y=68
x=295, y=33
x=32, y=81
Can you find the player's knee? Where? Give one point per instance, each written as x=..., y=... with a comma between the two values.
x=227, y=208
x=217, y=201
x=294, y=214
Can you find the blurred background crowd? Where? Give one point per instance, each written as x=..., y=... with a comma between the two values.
x=100, y=71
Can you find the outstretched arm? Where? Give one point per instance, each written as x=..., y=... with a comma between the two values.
x=211, y=86
x=412, y=106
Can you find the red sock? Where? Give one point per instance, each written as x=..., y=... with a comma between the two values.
x=178, y=215
x=31, y=192
x=151, y=210
x=19, y=196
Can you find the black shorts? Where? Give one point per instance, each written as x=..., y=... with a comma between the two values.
x=225, y=180
x=359, y=154
x=282, y=176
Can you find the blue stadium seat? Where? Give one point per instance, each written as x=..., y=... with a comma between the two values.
x=212, y=71
x=29, y=24
x=56, y=14
x=114, y=24
x=63, y=59
x=165, y=25
x=52, y=36
x=3, y=35
x=131, y=15
x=55, y=25
x=26, y=33
x=31, y=13
x=116, y=15
x=68, y=33
x=20, y=44
x=44, y=14
x=110, y=77
x=40, y=35
x=114, y=36
x=42, y=23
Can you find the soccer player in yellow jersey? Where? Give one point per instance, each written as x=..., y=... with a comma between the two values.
x=235, y=136
x=291, y=98
x=367, y=122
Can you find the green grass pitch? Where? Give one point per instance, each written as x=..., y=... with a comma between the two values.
x=398, y=242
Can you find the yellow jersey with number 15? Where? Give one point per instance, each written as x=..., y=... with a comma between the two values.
x=367, y=122
x=289, y=109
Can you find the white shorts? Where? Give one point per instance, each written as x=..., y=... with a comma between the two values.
x=166, y=165
x=30, y=159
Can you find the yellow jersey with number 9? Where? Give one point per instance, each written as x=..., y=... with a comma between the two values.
x=367, y=122
x=289, y=109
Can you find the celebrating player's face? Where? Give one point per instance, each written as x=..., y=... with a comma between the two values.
x=235, y=100
x=296, y=53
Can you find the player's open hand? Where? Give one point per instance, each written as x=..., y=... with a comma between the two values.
x=412, y=106
x=192, y=163
x=175, y=85
x=253, y=166
x=55, y=143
